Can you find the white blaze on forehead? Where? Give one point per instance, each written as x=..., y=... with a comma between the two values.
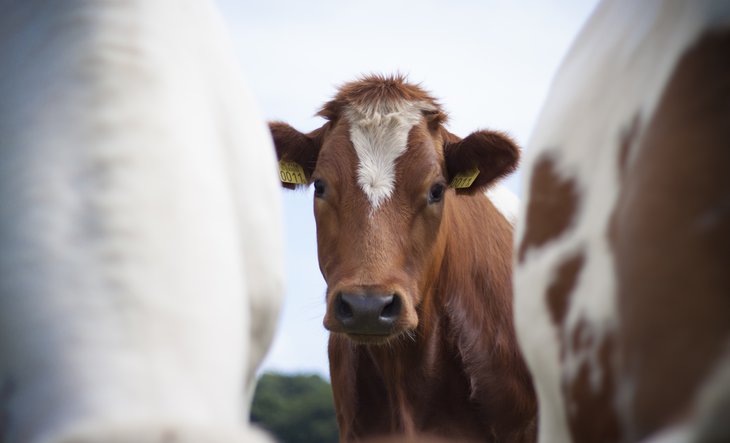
x=379, y=134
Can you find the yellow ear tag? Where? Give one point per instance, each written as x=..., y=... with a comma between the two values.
x=291, y=172
x=465, y=179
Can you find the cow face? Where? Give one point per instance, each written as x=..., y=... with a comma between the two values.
x=381, y=168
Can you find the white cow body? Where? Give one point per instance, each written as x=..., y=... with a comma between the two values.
x=140, y=275
x=504, y=200
x=576, y=332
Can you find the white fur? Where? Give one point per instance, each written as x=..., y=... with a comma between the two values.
x=505, y=201
x=380, y=136
x=617, y=68
x=140, y=275
x=674, y=434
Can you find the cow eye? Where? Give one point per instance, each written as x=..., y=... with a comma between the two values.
x=318, y=188
x=436, y=194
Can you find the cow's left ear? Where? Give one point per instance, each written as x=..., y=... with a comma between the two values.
x=494, y=154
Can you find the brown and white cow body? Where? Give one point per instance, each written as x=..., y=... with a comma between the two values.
x=418, y=275
x=622, y=289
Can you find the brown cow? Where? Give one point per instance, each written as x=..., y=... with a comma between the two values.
x=419, y=297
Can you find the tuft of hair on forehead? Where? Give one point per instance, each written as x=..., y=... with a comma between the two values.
x=382, y=94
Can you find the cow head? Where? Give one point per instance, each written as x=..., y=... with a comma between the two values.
x=381, y=167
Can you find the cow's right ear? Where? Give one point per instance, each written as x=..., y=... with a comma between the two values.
x=295, y=147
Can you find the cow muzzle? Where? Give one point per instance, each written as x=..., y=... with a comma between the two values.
x=365, y=314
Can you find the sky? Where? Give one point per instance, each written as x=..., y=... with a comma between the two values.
x=489, y=62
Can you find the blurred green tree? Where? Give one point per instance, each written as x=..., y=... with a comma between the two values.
x=295, y=408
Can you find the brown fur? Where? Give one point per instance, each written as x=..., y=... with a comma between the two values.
x=376, y=89
x=558, y=294
x=671, y=237
x=451, y=367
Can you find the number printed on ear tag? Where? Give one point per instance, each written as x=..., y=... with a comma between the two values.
x=291, y=172
x=465, y=179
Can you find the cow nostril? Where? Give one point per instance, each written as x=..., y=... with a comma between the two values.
x=391, y=310
x=343, y=310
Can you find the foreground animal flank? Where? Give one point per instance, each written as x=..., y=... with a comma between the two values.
x=417, y=261
x=136, y=300
x=621, y=286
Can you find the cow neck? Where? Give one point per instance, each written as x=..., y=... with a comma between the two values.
x=477, y=258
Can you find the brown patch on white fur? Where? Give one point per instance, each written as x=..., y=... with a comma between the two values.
x=552, y=208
